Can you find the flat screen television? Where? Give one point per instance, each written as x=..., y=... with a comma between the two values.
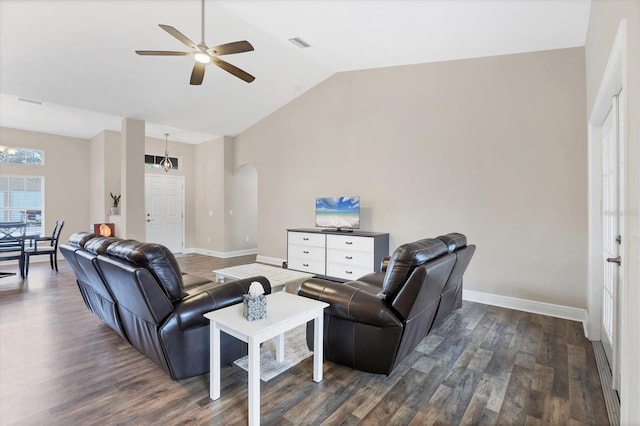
x=339, y=213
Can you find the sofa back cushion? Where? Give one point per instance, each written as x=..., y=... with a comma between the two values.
x=157, y=259
x=454, y=241
x=99, y=245
x=79, y=239
x=405, y=259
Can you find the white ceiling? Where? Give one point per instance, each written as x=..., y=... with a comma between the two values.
x=78, y=56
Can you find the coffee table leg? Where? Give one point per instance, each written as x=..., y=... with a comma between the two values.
x=279, y=341
x=214, y=361
x=318, y=347
x=254, y=382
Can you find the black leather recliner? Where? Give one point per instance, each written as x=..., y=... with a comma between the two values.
x=143, y=299
x=451, y=298
x=158, y=317
x=103, y=302
x=96, y=301
x=373, y=323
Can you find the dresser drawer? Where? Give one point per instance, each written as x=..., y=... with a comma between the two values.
x=300, y=252
x=306, y=239
x=344, y=242
x=310, y=266
x=351, y=258
x=347, y=272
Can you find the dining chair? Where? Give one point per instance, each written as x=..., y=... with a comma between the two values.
x=12, y=236
x=51, y=249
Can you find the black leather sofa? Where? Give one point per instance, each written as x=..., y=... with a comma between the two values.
x=137, y=289
x=374, y=322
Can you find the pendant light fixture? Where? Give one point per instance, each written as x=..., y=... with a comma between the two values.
x=166, y=161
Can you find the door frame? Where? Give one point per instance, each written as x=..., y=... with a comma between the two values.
x=614, y=81
x=182, y=181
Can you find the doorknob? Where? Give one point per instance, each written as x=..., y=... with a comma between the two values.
x=614, y=260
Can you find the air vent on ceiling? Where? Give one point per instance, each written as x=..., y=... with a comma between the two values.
x=30, y=101
x=299, y=42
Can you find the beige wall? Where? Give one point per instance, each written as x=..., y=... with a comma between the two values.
x=494, y=148
x=209, y=203
x=603, y=24
x=104, y=174
x=71, y=163
x=225, y=209
x=65, y=175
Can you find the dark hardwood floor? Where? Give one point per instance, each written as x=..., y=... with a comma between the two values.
x=59, y=365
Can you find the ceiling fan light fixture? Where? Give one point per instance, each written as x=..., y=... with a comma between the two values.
x=203, y=58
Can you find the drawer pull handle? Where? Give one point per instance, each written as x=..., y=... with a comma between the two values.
x=349, y=257
x=348, y=243
x=348, y=272
x=306, y=265
x=305, y=251
x=305, y=239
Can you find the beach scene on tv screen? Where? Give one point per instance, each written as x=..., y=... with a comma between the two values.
x=338, y=212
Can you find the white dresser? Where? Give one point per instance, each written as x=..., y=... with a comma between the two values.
x=338, y=255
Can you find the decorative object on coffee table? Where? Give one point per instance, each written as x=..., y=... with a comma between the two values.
x=254, y=305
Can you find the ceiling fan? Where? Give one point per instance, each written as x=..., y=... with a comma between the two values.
x=204, y=54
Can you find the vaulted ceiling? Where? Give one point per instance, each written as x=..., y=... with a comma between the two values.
x=77, y=57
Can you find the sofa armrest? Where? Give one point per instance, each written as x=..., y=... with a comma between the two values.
x=350, y=303
x=190, y=311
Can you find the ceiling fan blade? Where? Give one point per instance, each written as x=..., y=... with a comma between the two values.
x=232, y=69
x=177, y=34
x=162, y=53
x=197, y=74
x=230, y=48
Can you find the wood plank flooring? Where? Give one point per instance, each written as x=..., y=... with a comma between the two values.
x=59, y=365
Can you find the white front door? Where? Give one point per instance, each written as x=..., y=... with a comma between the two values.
x=611, y=239
x=164, y=201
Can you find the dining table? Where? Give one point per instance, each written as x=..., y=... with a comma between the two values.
x=13, y=237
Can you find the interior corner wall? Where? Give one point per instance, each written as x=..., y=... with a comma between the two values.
x=493, y=147
x=605, y=18
x=132, y=206
x=209, y=202
x=97, y=178
x=244, y=222
x=229, y=169
x=104, y=174
x=65, y=172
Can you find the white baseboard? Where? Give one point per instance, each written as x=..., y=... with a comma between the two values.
x=557, y=311
x=221, y=254
x=270, y=260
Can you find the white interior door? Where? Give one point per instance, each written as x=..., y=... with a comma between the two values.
x=164, y=202
x=611, y=239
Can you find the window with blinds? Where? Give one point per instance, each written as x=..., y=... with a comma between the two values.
x=21, y=200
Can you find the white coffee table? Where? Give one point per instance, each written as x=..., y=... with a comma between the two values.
x=279, y=278
x=285, y=311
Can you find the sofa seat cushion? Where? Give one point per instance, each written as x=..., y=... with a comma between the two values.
x=157, y=259
x=189, y=281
